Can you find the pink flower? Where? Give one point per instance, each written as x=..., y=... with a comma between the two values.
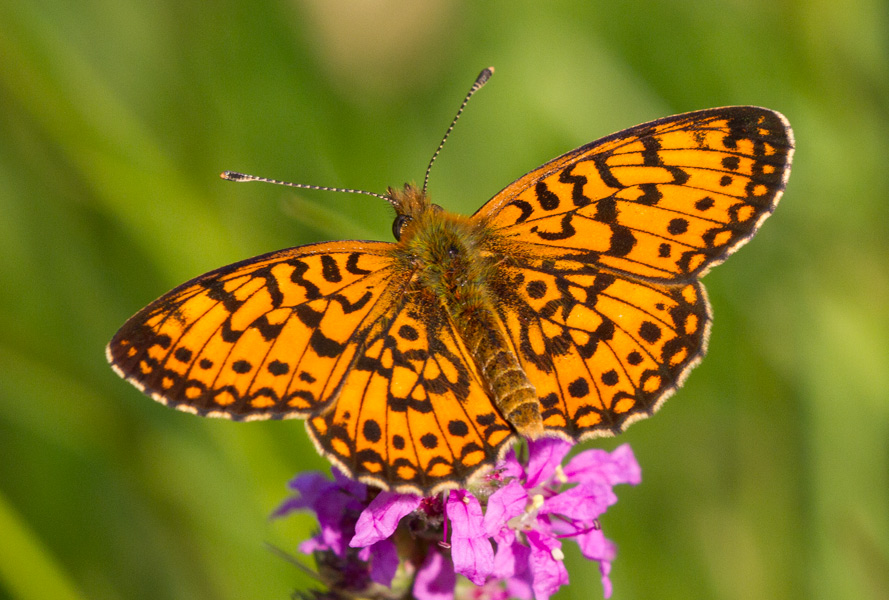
x=509, y=544
x=530, y=515
x=471, y=549
x=379, y=520
x=436, y=579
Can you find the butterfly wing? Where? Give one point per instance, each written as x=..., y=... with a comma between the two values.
x=601, y=350
x=664, y=200
x=413, y=414
x=329, y=332
x=602, y=250
x=269, y=337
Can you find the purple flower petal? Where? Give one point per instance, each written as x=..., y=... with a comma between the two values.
x=312, y=544
x=617, y=467
x=510, y=466
x=435, y=580
x=335, y=502
x=544, y=455
x=519, y=588
x=493, y=590
x=504, y=504
x=310, y=487
x=526, y=559
x=308, y=484
x=465, y=513
x=383, y=562
x=473, y=558
x=605, y=570
x=583, y=502
x=335, y=518
x=288, y=506
x=511, y=558
x=379, y=520
x=595, y=546
x=471, y=549
x=547, y=571
x=349, y=485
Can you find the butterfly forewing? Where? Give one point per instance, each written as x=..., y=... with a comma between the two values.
x=663, y=200
x=268, y=337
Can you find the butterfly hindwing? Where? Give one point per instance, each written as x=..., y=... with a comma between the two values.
x=601, y=350
x=412, y=413
x=664, y=200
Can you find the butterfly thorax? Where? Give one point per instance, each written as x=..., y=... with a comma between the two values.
x=451, y=266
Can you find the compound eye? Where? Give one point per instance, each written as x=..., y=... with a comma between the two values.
x=399, y=224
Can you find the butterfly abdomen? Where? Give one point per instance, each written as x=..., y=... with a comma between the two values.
x=512, y=393
x=446, y=251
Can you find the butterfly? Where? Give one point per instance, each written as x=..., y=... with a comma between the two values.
x=569, y=305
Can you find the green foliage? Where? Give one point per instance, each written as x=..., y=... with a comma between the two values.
x=767, y=476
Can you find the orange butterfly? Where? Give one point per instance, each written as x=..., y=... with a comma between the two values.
x=569, y=305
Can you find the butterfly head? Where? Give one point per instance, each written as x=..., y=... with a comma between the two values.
x=410, y=204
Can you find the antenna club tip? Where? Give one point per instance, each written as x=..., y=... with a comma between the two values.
x=233, y=176
x=484, y=76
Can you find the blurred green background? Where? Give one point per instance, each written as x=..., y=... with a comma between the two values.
x=767, y=476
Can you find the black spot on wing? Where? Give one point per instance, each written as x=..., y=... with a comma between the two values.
x=705, y=203
x=325, y=346
x=526, y=210
x=330, y=270
x=352, y=265
x=307, y=315
x=349, y=307
x=458, y=428
x=300, y=268
x=372, y=432
x=548, y=200
x=677, y=226
x=565, y=232
x=276, y=367
x=579, y=388
x=606, y=211
x=577, y=182
x=241, y=366
x=266, y=329
x=622, y=241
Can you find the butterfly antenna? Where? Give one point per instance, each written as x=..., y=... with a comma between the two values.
x=235, y=176
x=481, y=80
